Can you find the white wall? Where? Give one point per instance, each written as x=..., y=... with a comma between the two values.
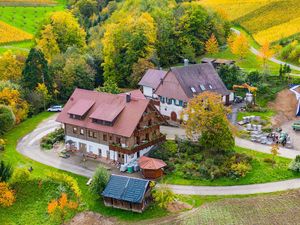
x=166, y=109
x=148, y=91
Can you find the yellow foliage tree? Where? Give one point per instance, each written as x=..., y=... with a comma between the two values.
x=12, y=98
x=42, y=90
x=10, y=67
x=7, y=196
x=61, y=206
x=274, y=152
x=238, y=45
x=265, y=54
x=212, y=46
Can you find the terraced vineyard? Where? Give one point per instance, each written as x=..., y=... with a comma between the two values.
x=12, y=34
x=266, y=20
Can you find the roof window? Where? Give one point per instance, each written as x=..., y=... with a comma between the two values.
x=202, y=87
x=210, y=87
x=193, y=89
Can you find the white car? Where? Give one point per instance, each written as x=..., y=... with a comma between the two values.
x=55, y=108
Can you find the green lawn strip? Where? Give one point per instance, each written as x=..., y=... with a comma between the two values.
x=90, y=201
x=263, y=115
x=261, y=172
x=28, y=18
x=16, y=47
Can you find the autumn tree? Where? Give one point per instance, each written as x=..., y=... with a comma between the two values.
x=7, y=195
x=265, y=53
x=207, y=119
x=238, y=45
x=43, y=92
x=109, y=86
x=36, y=70
x=11, y=66
x=12, y=98
x=163, y=196
x=212, y=46
x=139, y=69
x=60, y=207
x=274, y=152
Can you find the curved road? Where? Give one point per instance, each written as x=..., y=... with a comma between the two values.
x=256, y=52
x=29, y=146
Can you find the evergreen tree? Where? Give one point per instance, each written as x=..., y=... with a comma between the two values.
x=36, y=70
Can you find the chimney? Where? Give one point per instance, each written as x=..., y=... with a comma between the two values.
x=186, y=62
x=128, y=97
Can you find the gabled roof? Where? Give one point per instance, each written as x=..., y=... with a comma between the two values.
x=81, y=107
x=126, y=188
x=192, y=79
x=151, y=163
x=126, y=115
x=152, y=78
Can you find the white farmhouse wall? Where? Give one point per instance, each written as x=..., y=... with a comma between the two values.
x=166, y=109
x=148, y=91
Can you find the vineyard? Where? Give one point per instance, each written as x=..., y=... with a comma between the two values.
x=266, y=20
x=27, y=2
x=12, y=34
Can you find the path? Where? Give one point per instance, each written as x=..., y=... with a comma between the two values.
x=29, y=146
x=256, y=52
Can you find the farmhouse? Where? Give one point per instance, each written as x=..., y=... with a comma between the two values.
x=116, y=127
x=180, y=84
x=127, y=193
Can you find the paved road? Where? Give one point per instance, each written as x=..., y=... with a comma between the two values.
x=29, y=146
x=256, y=52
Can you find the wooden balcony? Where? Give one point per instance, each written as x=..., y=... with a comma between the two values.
x=137, y=148
x=147, y=129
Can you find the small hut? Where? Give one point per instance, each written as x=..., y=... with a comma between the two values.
x=127, y=193
x=151, y=168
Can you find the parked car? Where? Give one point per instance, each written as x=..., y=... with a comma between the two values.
x=238, y=99
x=55, y=108
x=296, y=126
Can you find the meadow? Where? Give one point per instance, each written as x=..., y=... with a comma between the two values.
x=266, y=20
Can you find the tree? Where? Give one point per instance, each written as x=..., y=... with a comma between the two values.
x=99, y=180
x=63, y=30
x=238, y=45
x=109, y=86
x=207, y=118
x=274, y=152
x=211, y=45
x=7, y=195
x=12, y=98
x=60, y=207
x=11, y=67
x=5, y=171
x=138, y=70
x=36, y=70
x=42, y=90
x=7, y=119
x=254, y=78
x=265, y=53
x=163, y=196
x=231, y=75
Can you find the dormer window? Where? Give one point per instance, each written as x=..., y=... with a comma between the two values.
x=202, y=87
x=193, y=89
x=210, y=86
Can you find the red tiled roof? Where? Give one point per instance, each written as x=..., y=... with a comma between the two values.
x=125, y=122
x=81, y=107
x=108, y=111
x=147, y=163
x=152, y=78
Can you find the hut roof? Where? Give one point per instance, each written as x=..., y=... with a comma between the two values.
x=147, y=163
x=126, y=188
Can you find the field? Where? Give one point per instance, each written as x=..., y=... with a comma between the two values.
x=280, y=208
x=12, y=34
x=266, y=20
x=26, y=2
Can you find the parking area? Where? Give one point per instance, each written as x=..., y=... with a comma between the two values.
x=295, y=135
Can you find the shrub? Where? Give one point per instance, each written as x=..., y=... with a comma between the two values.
x=67, y=180
x=48, y=141
x=7, y=119
x=163, y=196
x=5, y=172
x=100, y=180
x=190, y=169
x=165, y=151
x=7, y=196
x=240, y=169
x=295, y=164
x=20, y=175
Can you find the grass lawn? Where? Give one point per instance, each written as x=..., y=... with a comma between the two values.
x=261, y=172
x=28, y=18
x=264, y=115
x=16, y=47
x=39, y=170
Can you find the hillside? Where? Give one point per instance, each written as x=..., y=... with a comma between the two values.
x=266, y=20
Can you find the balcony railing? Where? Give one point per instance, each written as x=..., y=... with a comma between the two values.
x=134, y=149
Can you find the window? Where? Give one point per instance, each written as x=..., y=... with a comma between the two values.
x=176, y=102
x=118, y=140
x=81, y=131
x=162, y=99
x=202, y=87
x=193, y=89
x=90, y=134
x=210, y=86
x=110, y=138
x=94, y=135
x=169, y=101
x=74, y=130
x=104, y=137
x=149, y=122
x=180, y=103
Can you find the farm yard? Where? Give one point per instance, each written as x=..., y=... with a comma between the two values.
x=266, y=20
